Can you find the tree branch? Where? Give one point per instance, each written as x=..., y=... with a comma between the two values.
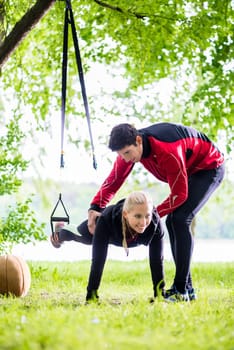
x=22, y=28
x=118, y=9
x=133, y=13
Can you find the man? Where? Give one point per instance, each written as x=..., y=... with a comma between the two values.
x=192, y=166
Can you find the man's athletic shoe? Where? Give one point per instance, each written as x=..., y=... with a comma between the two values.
x=173, y=295
x=192, y=295
x=54, y=239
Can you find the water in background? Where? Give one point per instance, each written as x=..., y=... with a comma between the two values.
x=204, y=251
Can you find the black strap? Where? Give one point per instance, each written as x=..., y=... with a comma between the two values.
x=69, y=19
x=64, y=84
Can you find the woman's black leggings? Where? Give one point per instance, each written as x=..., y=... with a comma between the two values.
x=200, y=187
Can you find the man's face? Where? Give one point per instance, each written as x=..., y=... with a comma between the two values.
x=132, y=153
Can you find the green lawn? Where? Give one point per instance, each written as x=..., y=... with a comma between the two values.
x=54, y=316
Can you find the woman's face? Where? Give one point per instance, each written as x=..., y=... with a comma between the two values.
x=139, y=217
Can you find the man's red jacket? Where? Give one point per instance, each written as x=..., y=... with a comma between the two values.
x=171, y=152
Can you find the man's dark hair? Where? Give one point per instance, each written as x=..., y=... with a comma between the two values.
x=122, y=135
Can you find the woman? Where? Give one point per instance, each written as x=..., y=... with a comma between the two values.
x=128, y=223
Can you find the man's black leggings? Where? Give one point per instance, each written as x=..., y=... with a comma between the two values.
x=200, y=187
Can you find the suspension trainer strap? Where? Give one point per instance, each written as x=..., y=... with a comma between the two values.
x=69, y=19
x=64, y=84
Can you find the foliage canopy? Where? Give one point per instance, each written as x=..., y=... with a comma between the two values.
x=189, y=42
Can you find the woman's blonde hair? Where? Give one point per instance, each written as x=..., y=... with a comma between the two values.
x=133, y=199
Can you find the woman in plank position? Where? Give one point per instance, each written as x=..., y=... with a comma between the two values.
x=130, y=222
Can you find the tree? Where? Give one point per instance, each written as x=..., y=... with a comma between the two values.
x=18, y=224
x=188, y=44
x=21, y=28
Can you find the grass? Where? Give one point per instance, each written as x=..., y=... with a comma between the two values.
x=54, y=316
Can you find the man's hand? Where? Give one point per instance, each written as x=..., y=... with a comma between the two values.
x=92, y=216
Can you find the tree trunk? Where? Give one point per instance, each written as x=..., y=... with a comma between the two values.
x=22, y=28
x=2, y=13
